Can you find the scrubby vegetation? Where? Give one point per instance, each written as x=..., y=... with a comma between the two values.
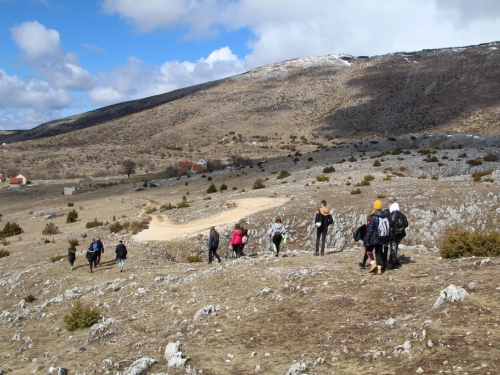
x=477, y=175
x=72, y=216
x=283, y=174
x=258, y=184
x=11, y=229
x=466, y=244
x=50, y=228
x=57, y=258
x=81, y=317
x=329, y=169
x=4, y=253
x=321, y=178
x=94, y=223
x=194, y=258
x=211, y=189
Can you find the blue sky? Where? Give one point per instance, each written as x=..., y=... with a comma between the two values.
x=63, y=57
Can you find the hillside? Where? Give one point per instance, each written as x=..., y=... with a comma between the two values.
x=303, y=104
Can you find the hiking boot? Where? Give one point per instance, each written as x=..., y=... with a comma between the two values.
x=277, y=255
x=322, y=254
x=362, y=266
x=316, y=254
x=373, y=267
x=121, y=269
x=379, y=271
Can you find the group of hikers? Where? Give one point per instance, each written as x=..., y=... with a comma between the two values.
x=384, y=229
x=94, y=252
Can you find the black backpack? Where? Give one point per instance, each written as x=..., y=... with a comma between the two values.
x=215, y=239
x=398, y=224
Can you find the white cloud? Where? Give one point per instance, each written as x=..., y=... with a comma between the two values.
x=137, y=80
x=43, y=52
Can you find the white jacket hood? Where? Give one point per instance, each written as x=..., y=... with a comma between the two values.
x=394, y=207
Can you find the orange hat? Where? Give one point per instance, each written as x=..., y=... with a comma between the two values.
x=377, y=205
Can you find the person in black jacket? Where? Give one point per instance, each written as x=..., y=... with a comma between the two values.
x=91, y=255
x=399, y=223
x=121, y=254
x=100, y=250
x=322, y=220
x=372, y=239
x=213, y=244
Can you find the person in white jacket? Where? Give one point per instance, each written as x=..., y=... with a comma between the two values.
x=276, y=233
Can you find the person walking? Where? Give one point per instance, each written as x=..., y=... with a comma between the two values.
x=322, y=220
x=236, y=241
x=398, y=224
x=72, y=255
x=213, y=244
x=121, y=254
x=377, y=234
x=244, y=238
x=276, y=233
x=100, y=250
x=91, y=255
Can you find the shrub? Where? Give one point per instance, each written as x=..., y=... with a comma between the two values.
x=4, y=253
x=151, y=210
x=30, y=298
x=72, y=216
x=194, y=258
x=490, y=158
x=322, y=178
x=283, y=174
x=369, y=177
x=295, y=160
x=211, y=189
x=50, y=228
x=94, y=223
x=356, y=191
x=396, y=151
x=166, y=207
x=466, y=244
x=310, y=159
x=376, y=163
x=116, y=227
x=81, y=317
x=73, y=242
x=464, y=155
x=57, y=258
x=363, y=183
x=474, y=162
x=209, y=178
x=431, y=159
x=45, y=240
x=223, y=187
x=11, y=229
x=329, y=169
x=352, y=159
x=258, y=184
x=70, y=204
x=477, y=175
x=138, y=226
x=183, y=204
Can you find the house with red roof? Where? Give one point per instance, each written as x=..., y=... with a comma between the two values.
x=19, y=180
x=187, y=167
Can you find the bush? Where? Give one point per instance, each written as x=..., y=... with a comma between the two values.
x=283, y=174
x=352, y=159
x=211, y=189
x=477, y=175
x=209, y=178
x=166, y=207
x=94, y=223
x=322, y=178
x=57, y=258
x=4, y=253
x=183, y=204
x=30, y=298
x=369, y=177
x=81, y=317
x=137, y=226
x=11, y=229
x=223, y=187
x=116, y=227
x=356, y=191
x=466, y=244
x=258, y=184
x=490, y=158
x=73, y=242
x=72, y=216
x=194, y=258
x=376, y=163
x=432, y=159
x=329, y=169
x=50, y=228
x=70, y=204
x=474, y=162
x=151, y=210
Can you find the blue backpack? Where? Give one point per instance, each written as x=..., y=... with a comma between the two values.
x=95, y=247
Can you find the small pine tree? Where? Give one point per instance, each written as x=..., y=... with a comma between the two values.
x=72, y=216
x=81, y=317
x=211, y=189
x=50, y=228
x=11, y=229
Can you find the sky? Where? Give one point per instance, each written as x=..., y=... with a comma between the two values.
x=63, y=57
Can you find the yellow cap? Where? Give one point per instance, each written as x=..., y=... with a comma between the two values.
x=377, y=205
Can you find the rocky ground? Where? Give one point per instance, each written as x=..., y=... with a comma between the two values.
x=259, y=314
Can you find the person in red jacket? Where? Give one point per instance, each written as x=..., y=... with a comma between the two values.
x=236, y=241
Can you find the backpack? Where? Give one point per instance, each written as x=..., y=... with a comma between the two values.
x=95, y=247
x=399, y=223
x=215, y=239
x=383, y=229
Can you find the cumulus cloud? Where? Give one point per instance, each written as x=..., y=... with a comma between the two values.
x=138, y=80
x=43, y=51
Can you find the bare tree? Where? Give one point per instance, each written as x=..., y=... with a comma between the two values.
x=128, y=167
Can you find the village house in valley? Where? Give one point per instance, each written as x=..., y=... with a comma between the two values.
x=19, y=180
x=187, y=167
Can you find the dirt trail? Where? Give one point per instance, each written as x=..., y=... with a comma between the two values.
x=161, y=228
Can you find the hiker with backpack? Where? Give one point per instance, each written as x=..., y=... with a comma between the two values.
x=322, y=220
x=398, y=223
x=237, y=241
x=377, y=234
x=244, y=237
x=91, y=256
x=121, y=254
x=213, y=244
x=276, y=233
x=100, y=250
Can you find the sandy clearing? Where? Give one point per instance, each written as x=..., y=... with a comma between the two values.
x=161, y=228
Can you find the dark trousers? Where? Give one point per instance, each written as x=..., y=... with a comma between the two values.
x=379, y=250
x=71, y=258
x=320, y=233
x=367, y=255
x=394, y=244
x=237, y=250
x=91, y=259
x=277, y=242
x=212, y=252
x=98, y=257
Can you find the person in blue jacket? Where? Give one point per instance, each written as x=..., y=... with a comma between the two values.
x=374, y=239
